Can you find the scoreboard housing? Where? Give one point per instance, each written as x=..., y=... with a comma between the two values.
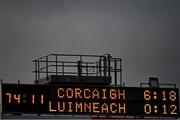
x=81, y=85
x=65, y=99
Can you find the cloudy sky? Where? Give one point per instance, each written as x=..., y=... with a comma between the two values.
x=144, y=33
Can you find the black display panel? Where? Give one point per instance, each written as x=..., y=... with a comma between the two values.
x=26, y=98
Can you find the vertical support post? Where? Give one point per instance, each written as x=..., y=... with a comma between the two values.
x=100, y=66
x=109, y=65
x=36, y=81
x=121, y=72
x=56, y=66
x=79, y=69
x=96, y=67
x=38, y=72
x=86, y=69
x=115, y=71
x=105, y=66
x=62, y=68
x=18, y=82
x=47, y=68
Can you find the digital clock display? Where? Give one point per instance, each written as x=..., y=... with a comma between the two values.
x=72, y=99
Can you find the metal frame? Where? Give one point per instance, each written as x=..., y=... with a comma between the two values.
x=78, y=65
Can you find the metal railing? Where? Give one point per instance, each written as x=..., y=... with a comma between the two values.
x=78, y=65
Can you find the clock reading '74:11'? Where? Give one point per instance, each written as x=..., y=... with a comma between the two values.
x=18, y=98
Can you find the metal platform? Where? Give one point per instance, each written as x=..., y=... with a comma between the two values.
x=82, y=80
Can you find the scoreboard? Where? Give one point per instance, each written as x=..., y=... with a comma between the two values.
x=74, y=99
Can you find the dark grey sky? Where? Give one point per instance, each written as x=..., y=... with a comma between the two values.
x=145, y=33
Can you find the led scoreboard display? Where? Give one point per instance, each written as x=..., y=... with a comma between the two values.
x=62, y=99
